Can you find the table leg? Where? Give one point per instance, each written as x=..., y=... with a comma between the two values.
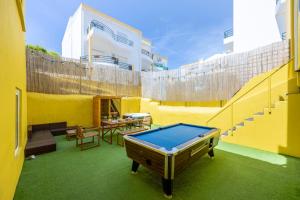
x=134, y=167
x=167, y=187
x=211, y=153
x=111, y=135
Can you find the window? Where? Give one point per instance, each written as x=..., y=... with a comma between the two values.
x=17, y=120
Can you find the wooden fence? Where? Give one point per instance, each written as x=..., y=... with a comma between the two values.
x=216, y=79
x=46, y=74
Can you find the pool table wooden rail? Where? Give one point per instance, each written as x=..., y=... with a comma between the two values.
x=169, y=163
x=151, y=159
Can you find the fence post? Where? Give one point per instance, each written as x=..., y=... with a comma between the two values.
x=269, y=94
x=232, y=116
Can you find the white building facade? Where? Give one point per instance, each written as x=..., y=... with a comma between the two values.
x=94, y=36
x=256, y=23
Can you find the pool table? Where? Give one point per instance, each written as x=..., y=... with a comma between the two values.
x=169, y=149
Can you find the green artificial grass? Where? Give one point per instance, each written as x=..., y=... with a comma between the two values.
x=104, y=173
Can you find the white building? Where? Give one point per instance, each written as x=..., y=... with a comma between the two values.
x=256, y=23
x=97, y=37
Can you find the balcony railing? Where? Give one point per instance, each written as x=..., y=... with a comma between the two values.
x=160, y=66
x=228, y=33
x=108, y=30
x=147, y=53
x=108, y=60
x=283, y=35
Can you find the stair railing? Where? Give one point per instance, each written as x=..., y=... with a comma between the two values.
x=230, y=105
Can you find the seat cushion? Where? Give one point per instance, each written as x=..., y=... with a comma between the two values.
x=58, y=128
x=40, y=142
x=40, y=127
x=90, y=133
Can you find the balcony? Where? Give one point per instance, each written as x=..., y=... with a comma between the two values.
x=228, y=40
x=160, y=66
x=108, y=30
x=147, y=53
x=102, y=59
x=228, y=33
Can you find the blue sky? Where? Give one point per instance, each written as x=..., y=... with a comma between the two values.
x=184, y=31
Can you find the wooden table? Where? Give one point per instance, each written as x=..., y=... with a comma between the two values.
x=110, y=126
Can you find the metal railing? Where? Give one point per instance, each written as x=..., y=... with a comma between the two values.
x=284, y=35
x=147, y=53
x=228, y=33
x=160, y=66
x=108, y=30
x=107, y=59
x=269, y=92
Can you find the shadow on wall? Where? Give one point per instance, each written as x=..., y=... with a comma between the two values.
x=293, y=127
x=170, y=113
x=46, y=108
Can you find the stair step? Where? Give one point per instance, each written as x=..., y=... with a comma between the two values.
x=281, y=98
x=250, y=119
x=277, y=104
x=259, y=113
x=225, y=134
x=241, y=124
x=267, y=111
x=231, y=131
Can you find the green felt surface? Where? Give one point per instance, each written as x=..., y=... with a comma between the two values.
x=104, y=173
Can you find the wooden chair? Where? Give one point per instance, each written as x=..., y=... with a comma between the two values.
x=84, y=133
x=147, y=122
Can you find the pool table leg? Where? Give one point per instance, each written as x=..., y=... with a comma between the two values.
x=211, y=153
x=134, y=167
x=167, y=187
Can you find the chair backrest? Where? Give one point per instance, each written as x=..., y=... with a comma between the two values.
x=147, y=120
x=79, y=132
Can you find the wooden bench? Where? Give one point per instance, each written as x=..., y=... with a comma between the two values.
x=128, y=132
x=84, y=133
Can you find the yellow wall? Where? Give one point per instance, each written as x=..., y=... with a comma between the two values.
x=12, y=76
x=173, y=113
x=74, y=109
x=130, y=105
x=293, y=127
x=266, y=132
x=277, y=131
x=193, y=104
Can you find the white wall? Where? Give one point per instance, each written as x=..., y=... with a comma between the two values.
x=75, y=41
x=71, y=43
x=283, y=17
x=102, y=41
x=254, y=24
